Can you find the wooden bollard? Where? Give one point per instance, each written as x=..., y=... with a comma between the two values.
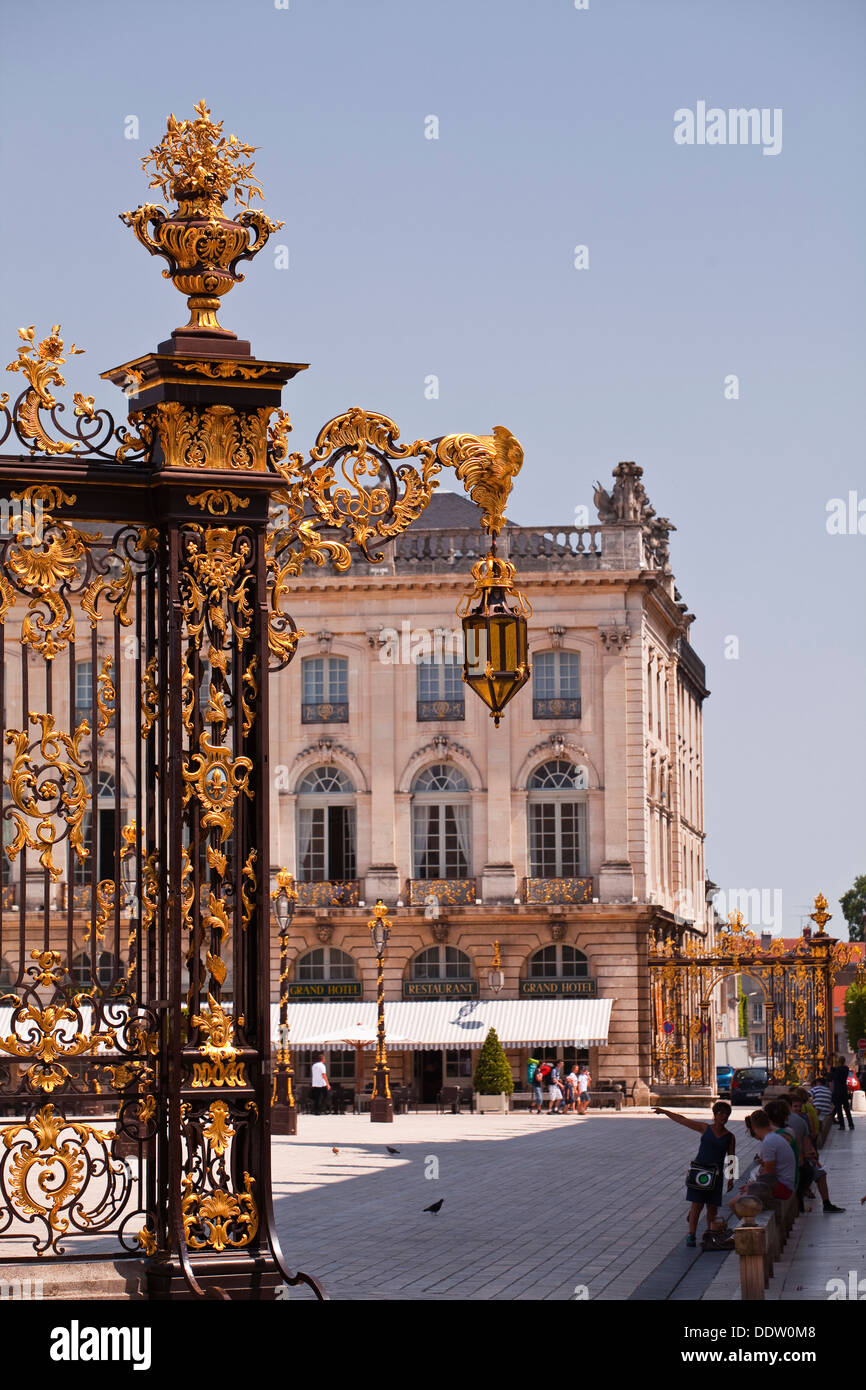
x=750, y=1243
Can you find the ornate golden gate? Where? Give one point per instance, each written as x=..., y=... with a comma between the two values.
x=144, y=572
x=797, y=987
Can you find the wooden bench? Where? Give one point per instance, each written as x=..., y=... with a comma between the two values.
x=608, y=1093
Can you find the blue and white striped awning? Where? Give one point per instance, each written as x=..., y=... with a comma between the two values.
x=432, y=1023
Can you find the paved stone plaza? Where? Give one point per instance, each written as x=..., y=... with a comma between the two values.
x=534, y=1206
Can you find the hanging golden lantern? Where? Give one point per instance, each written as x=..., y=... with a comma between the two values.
x=495, y=644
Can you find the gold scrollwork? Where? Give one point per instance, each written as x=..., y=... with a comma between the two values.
x=149, y=698
x=486, y=465
x=217, y=501
x=106, y=695
x=65, y=795
x=147, y=1241
x=218, y=1219
x=50, y=1042
x=217, y=438
x=40, y=364
x=217, y=779
x=251, y=684
x=44, y=562
x=247, y=902
x=219, y=574
x=49, y=1172
x=219, y=1131
x=105, y=891
x=221, y=1066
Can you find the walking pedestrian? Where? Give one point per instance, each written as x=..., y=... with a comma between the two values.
x=822, y=1098
x=584, y=1081
x=554, y=1089
x=572, y=1089
x=706, y=1176
x=320, y=1083
x=840, y=1093
x=534, y=1083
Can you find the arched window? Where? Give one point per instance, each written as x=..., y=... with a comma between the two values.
x=557, y=963
x=557, y=821
x=441, y=963
x=100, y=858
x=81, y=968
x=326, y=963
x=440, y=686
x=441, y=823
x=555, y=685
x=326, y=826
x=325, y=690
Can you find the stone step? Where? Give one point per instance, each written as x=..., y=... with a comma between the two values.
x=55, y=1278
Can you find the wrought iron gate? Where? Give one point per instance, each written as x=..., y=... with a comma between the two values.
x=796, y=981
x=143, y=575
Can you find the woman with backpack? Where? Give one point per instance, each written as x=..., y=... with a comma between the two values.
x=705, y=1178
x=534, y=1086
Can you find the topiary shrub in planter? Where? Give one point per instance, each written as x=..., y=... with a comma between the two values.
x=493, y=1080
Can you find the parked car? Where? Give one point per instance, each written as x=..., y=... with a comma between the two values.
x=853, y=1083
x=748, y=1085
x=724, y=1077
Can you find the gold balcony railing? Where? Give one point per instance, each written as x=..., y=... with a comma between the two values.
x=557, y=890
x=453, y=891
x=330, y=892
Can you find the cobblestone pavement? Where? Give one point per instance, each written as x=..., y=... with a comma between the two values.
x=820, y=1248
x=533, y=1206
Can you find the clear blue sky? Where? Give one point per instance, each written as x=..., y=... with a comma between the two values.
x=410, y=257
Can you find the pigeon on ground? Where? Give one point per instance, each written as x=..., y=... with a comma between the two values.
x=435, y=1205
x=390, y=1150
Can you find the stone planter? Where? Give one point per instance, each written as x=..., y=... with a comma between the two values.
x=495, y=1104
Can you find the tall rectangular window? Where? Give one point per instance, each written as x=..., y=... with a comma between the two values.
x=557, y=839
x=325, y=690
x=556, y=685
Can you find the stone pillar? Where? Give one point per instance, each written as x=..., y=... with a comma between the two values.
x=750, y=1243
x=383, y=877
x=498, y=879
x=615, y=876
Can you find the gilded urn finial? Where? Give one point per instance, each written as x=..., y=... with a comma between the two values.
x=198, y=167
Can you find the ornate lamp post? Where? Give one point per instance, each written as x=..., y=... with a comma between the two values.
x=496, y=975
x=284, y=1114
x=381, y=1106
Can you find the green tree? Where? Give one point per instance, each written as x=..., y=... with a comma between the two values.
x=493, y=1074
x=855, y=1014
x=853, y=905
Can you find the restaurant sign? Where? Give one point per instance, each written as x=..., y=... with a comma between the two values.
x=325, y=989
x=440, y=989
x=558, y=989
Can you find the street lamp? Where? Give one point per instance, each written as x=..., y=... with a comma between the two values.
x=284, y=1114
x=496, y=975
x=381, y=1105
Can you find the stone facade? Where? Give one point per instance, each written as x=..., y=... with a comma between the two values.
x=602, y=593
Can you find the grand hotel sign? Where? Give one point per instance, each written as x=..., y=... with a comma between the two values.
x=324, y=989
x=558, y=989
